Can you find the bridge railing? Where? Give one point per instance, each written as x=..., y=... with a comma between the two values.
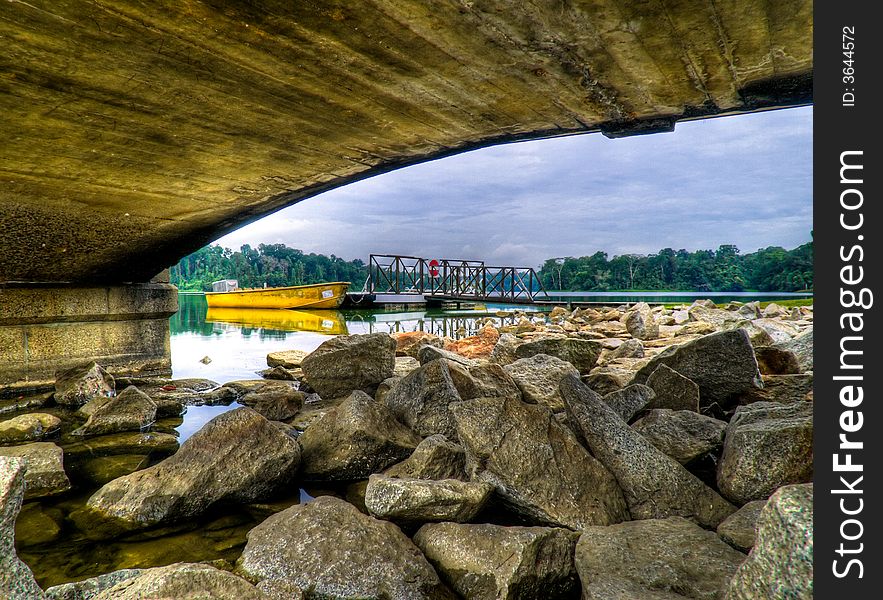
x=466, y=279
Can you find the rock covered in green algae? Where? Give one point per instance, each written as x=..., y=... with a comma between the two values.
x=16, y=580
x=357, y=437
x=331, y=550
x=238, y=456
x=536, y=465
x=492, y=562
x=781, y=563
x=29, y=427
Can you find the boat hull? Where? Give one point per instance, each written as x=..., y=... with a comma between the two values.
x=320, y=296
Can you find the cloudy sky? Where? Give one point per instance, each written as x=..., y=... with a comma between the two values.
x=743, y=180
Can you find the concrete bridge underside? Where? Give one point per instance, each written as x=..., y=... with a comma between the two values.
x=134, y=132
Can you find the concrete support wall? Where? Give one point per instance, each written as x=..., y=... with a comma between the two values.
x=125, y=328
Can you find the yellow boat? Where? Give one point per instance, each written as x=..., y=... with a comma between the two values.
x=319, y=295
x=321, y=321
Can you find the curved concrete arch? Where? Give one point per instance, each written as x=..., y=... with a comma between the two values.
x=135, y=132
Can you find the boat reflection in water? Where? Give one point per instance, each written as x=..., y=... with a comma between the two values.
x=330, y=322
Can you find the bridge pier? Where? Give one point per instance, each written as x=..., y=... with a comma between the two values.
x=46, y=327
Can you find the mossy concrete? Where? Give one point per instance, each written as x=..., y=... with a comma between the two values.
x=133, y=133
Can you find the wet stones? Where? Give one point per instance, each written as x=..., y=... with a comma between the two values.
x=238, y=456
x=275, y=401
x=16, y=580
x=287, y=359
x=538, y=377
x=350, y=362
x=654, y=484
x=45, y=474
x=358, y=437
x=536, y=465
x=130, y=410
x=781, y=563
x=654, y=559
x=490, y=562
x=767, y=445
x=30, y=427
x=425, y=500
x=329, y=547
x=76, y=386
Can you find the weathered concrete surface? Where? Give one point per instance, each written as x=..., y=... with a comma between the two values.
x=134, y=133
x=43, y=329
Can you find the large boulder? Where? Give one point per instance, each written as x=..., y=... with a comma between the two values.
x=504, y=351
x=87, y=589
x=740, y=528
x=357, y=437
x=30, y=427
x=781, y=388
x=239, y=456
x=654, y=559
x=640, y=322
x=275, y=401
x=436, y=457
x=328, y=547
x=421, y=399
x=492, y=562
x=45, y=474
x=130, y=410
x=536, y=465
x=350, y=362
x=427, y=354
x=482, y=381
x=425, y=500
x=772, y=360
x=74, y=387
x=673, y=390
x=781, y=563
x=630, y=400
x=182, y=580
x=721, y=364
x=801, y=346
x=683, y=435
x=767, y=445
x=408, y=343
x=16, y=579
x=538, y=376
x=654, y=484
x=582, y=354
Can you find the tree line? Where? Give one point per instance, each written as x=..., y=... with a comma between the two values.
x=771, y=269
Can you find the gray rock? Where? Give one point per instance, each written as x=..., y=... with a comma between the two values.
x=630, y=400
x=287, y=359
x=358, y=437
x=31, y=427
x=785, y=389
x=45, y=474
x=654, y=559
x=767, y=445
x=404, y=365
x=654, y=484
x=582, y=354
x=19, y=403
x=421, y=399
x=536, y=465
x=16, y=579
x=275, y=401
x=239, y=456
x=384, y=387
x=332, y=550
x=504, y=350
x=721, y=364
x=673, y=390
x=483, y=381
x=781, y=563
x=350, y=362
x=144, y=443
x=538, y=376
x=739, y=529
x=640, y=322
x=130, y=410
x=427, y=354
x=492, y=562
x=802, y=347
x=74, y=387
x=776, y=361
x=714, y=316
x=628, y=349
x=780, y=332
x=279, y=374
x=683, y=435
x=280, y=590
x=425, y=500
x=87, y=589
x=435, y=457
x=182, y=580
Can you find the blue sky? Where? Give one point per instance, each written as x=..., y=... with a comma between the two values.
x=744, y=180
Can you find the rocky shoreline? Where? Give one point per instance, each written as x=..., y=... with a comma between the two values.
x=625, y=452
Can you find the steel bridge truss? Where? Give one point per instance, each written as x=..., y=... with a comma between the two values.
x=451, y=279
